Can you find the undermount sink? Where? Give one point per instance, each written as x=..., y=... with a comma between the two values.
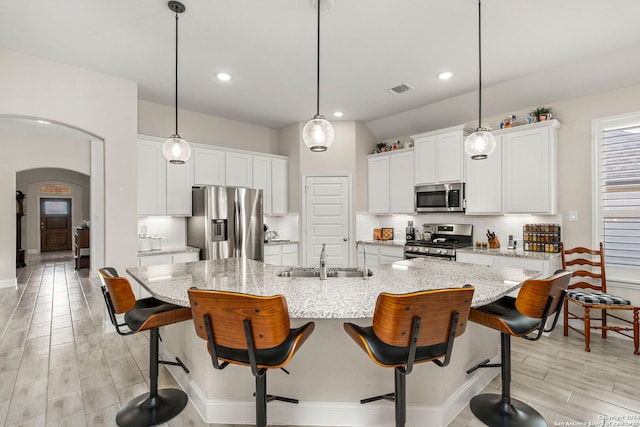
x=331, y=272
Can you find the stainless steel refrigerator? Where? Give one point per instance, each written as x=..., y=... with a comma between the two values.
x=226, y=222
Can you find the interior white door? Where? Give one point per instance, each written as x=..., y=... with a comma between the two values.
x=327, y=219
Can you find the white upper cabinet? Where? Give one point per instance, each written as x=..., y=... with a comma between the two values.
x=208, y=166
x=262, y=180
x=238, y=169
x=279, y=186
x=163, y=188
x=391, y=182
x=401, y=180
x=520, y=176
x=530, y=168
x=152, y=175
x=440, y=155
x=378, y=184
x=483, y=190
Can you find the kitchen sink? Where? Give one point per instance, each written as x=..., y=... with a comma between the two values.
x=331, y=272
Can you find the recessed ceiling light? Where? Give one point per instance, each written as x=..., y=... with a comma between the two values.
x=337, y=114
x=43, y=122
x=223, y=76
x=445, y=75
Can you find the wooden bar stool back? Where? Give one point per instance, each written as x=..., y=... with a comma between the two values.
x=589, y=292
x=248, y=330
x=412, y=328
x=157, y=406
x=524, y=316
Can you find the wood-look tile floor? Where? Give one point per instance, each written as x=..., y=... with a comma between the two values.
x=58, y=368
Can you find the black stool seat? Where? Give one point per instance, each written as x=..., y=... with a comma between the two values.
x=526, y=314
x=156, y=406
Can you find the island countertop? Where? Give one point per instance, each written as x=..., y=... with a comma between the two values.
x=334, y=298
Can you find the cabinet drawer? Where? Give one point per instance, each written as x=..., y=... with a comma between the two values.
x=271, y=250
x=392, y=251
x=186, y=257
x=155, y=260
x=289, y=249
x=475, y=258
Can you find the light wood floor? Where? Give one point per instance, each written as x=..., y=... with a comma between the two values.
x=58, y=368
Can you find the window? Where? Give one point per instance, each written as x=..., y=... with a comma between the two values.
x=54, y=207
x=617, y=189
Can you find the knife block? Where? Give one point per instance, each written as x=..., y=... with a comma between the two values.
x=494, y=243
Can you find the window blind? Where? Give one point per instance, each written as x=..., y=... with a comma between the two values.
x=620, y=187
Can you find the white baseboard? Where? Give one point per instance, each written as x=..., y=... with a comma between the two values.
x=33, y=251
x=221, y=411
x=9, y=283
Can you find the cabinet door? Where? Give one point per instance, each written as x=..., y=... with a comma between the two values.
x=179, y=183
x=483, y=189
x=262, y=181
x=238, y=170
x=208, y=166
x=290, y=255
x=279, y=186
x=530, y=174
x=379, y=184
x=273, y=259
x=516, y=262
x=151, y=179
x=450, y=159
x=425, y=157
x=401, y=178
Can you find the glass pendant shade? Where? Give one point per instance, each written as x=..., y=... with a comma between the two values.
x=176, y=150
x=318, y=134
x=480, y=144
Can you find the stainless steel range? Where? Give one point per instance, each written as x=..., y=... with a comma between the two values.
x=440, y=241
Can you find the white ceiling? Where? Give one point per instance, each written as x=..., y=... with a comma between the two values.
x=534, y=52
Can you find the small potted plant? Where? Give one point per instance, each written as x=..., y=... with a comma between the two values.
x=380, y=147
x=541, y=113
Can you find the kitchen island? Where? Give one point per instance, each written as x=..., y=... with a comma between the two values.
x=330, y=374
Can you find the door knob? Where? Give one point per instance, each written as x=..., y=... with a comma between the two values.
x=344, y=239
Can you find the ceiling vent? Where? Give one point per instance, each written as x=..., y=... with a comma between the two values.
x=400, y=89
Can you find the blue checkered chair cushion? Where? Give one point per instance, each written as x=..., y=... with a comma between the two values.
x=597, y=298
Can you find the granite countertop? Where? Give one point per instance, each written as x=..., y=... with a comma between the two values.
x=169, y=251
x=280, y=242
x=385, y=242
x=338, y=298
x=515, y=253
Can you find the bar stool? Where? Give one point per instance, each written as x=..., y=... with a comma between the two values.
x=519, y=317
x=412, y=328
x=157, y=406
x=248, y=330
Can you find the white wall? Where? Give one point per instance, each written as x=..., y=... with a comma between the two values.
x=100, y=105
x=159, y=120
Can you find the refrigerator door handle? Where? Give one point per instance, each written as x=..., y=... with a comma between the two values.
x=238, y=229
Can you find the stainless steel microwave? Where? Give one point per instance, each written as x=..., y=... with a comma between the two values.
x=440, y=198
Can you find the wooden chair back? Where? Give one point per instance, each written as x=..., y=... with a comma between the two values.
x=534, y=294
x=119, y=290
x=227, y=311
x=596, y=278
x=394, y=314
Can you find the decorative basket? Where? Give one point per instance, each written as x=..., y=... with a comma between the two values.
x=387, y=234
x=377, y=234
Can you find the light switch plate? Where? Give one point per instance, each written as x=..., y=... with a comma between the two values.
x=573, y=216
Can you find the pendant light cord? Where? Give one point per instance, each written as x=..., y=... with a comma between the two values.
x=176, y=100
x=318, y=66
x=479, y=65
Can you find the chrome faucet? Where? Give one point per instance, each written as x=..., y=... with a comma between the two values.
x=365, y=272
x=323, y=263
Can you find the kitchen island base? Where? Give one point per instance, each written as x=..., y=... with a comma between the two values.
x=329, y=376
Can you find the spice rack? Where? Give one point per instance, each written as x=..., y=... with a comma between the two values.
x=541, y=237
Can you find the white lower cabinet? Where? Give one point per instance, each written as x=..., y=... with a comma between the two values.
x=286, y=255
x=546, y=266
x=380, y=254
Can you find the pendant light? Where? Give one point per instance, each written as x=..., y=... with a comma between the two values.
x=318, y=134
x=480, y=144
x=175, y=149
